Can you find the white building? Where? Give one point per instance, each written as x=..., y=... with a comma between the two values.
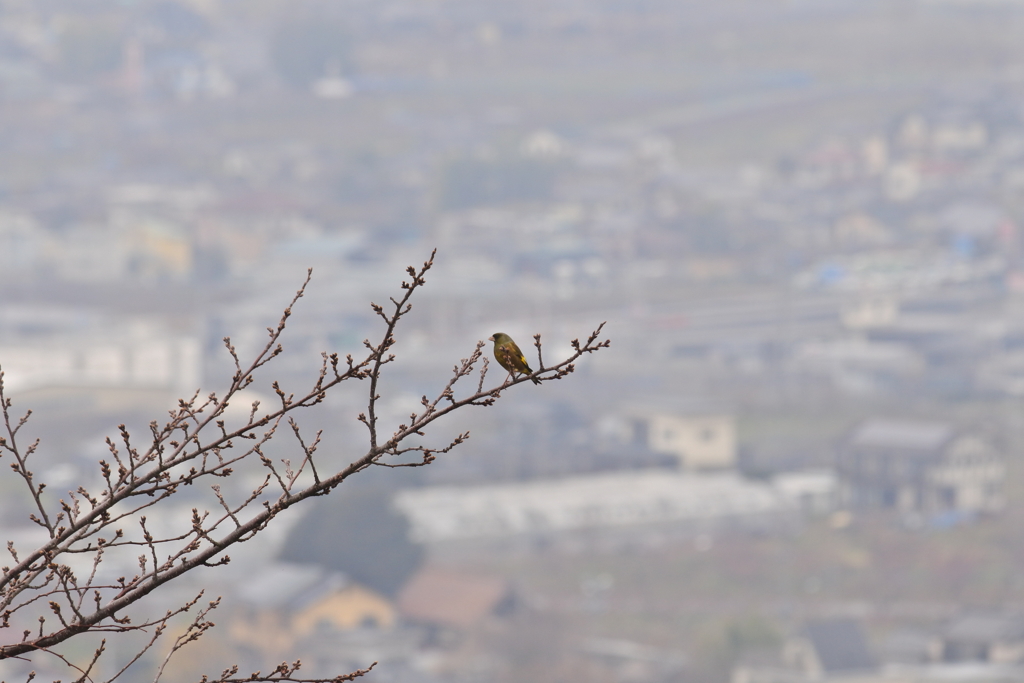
x=604, y=501
x=145, y=359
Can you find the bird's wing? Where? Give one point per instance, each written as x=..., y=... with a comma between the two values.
x=506, y=357
x=520, y=358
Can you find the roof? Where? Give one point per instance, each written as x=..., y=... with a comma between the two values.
x=839, y=644
x=903, y=434
x=985, y=628
x=451, y=598
x=286, y=585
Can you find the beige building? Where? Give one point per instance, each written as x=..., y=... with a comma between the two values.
x=284, y=604
x=699, y=442
x=347, y=607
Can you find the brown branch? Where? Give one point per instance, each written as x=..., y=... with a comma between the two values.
x=195, y=444
x=285, y=674
x=199, y=626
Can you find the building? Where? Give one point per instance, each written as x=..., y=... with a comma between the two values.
x=828, y=647
x=146, y=357
x=599, y=504
x=814, y=492
x=971, y=649
x=992, y=638
x=283, y=611
x=823, y=650
x=920, y=466
x=283, y=604
x=699, y=442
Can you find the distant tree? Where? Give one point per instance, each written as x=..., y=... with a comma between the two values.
x=69, y=588
x=376, y=552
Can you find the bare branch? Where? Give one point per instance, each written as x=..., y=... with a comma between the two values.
x=50, y=604
x=285, y=674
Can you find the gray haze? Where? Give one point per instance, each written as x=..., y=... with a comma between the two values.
x=803, y=221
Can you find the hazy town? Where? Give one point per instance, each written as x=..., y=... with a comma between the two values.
x=802, y=457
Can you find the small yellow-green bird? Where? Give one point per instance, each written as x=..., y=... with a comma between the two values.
x=509, y=356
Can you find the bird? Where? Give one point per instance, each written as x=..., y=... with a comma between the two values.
x=509, y=356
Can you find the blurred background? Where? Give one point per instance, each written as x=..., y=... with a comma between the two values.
x=800, y=460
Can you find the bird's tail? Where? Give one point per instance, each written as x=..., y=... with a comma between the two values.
x=535, y=380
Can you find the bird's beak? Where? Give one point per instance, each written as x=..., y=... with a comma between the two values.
x=491, y=338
